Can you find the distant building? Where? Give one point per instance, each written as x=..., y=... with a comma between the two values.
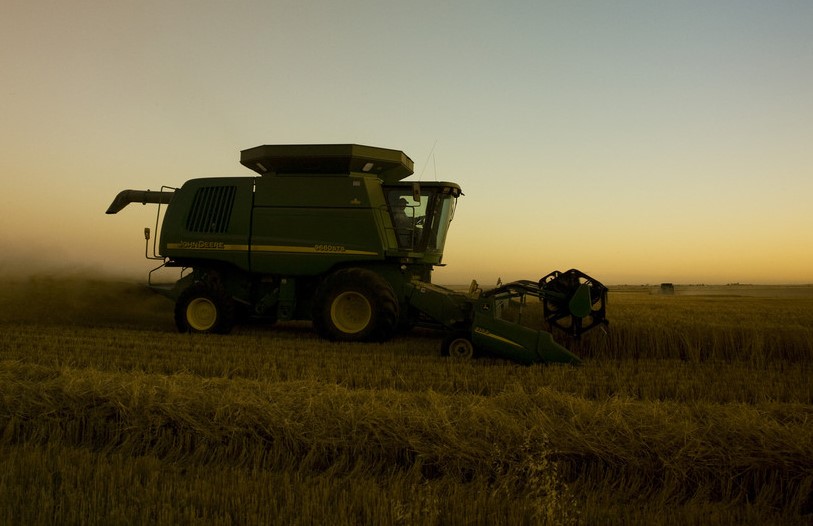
x=667, y=288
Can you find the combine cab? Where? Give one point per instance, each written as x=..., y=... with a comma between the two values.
x=333, y=234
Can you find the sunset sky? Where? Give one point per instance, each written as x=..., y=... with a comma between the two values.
x=639, y=141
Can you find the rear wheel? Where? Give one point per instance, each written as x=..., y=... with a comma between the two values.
x=201, y=308
x=458, y=345
x=355, y=305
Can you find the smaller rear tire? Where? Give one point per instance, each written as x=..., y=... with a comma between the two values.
x=202, y=309
x=459, y=346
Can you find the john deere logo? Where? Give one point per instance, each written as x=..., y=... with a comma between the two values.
x=217, y=245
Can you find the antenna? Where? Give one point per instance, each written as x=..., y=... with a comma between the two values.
x=432, y=156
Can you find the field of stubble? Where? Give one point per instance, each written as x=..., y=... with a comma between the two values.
x=695, y=409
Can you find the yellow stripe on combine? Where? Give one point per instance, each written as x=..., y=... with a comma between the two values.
x=309, y=250
x=198, y=245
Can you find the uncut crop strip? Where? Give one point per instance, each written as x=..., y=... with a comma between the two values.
x=697, y=343
x=696, y=328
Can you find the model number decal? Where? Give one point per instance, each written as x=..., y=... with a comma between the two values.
x=329, y=248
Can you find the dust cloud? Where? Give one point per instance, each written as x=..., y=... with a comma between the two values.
x=46, y=293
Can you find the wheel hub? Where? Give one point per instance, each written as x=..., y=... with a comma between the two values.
x=201, y=314
x=351, y=312
x=461, y=348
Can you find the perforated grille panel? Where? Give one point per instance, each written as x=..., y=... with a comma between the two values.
x=211, y=209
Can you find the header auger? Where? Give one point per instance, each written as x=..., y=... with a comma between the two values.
x=333, y=234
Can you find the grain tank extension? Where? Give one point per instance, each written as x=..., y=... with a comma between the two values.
x=332, y=233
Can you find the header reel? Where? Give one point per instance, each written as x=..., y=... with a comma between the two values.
x=573, y=301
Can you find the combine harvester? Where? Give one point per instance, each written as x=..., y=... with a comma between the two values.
x=333, y=234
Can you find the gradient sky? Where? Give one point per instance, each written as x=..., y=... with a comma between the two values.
x=639, y=141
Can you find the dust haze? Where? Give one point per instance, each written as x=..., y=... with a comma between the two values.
x=46, y=292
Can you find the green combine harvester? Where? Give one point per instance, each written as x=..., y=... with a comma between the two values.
x=333, y=234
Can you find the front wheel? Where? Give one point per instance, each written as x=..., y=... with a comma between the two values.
x=355, y=305
x=202, y=309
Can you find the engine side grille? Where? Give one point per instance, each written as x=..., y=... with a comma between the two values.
x=211, y=209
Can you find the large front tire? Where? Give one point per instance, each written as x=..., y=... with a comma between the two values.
x=200, y=308
x=355, y=305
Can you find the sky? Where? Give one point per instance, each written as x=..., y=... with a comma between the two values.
x=638, y=141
